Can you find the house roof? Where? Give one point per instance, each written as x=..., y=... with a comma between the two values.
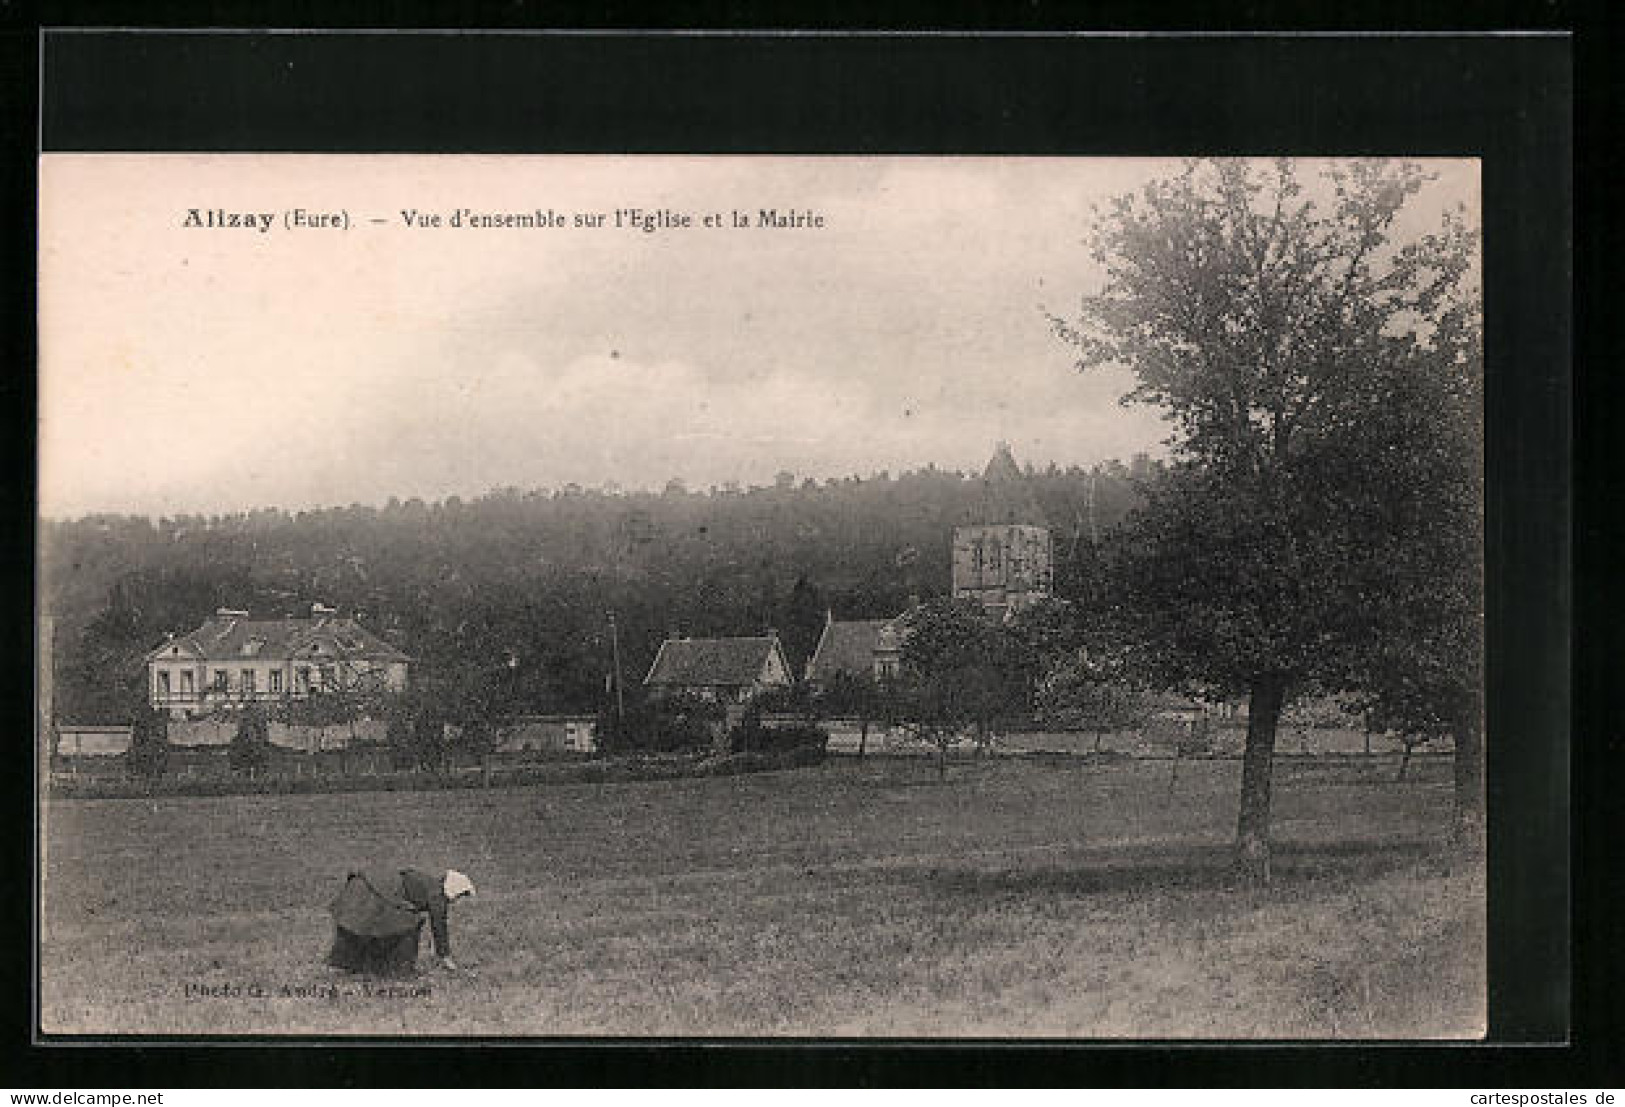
x=847, y=646
x=711, y=662
x=230, y=638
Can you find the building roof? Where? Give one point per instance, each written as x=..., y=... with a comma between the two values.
x=235, y=638
x=712, y=662
x=846, y=646
x=1005, y=494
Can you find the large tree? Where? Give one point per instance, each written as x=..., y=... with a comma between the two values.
x=1420, y=672
x=1262, y=314
x=962, y=676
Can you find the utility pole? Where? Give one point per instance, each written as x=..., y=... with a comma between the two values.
x=615, y=649
x=1094, y=534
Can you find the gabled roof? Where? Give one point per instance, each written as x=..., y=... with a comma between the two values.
x=228, y=638
x=847, y=646
x=713, y=662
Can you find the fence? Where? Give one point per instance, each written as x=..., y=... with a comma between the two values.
x=194, y=733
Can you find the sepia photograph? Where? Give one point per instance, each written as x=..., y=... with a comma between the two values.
x=786, y=597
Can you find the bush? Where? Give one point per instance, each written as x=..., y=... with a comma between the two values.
x=251, y=746
x=278, y=780
x=148, y=755
x=734, y=764
x=415, y=735
x=671, y=725
x=753, y=736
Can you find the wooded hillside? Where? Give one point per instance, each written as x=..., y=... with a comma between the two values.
x=523, y=581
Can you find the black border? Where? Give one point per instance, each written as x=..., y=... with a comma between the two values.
x=1508, y=99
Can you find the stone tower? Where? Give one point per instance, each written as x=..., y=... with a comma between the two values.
x=1003, y=558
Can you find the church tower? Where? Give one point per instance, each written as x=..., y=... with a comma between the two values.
x=1003, y=557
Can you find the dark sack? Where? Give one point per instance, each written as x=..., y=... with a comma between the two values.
x=371, y=905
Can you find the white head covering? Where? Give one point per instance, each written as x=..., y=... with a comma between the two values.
x=456, y=884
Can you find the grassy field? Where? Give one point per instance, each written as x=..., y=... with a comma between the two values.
x=1018, y=898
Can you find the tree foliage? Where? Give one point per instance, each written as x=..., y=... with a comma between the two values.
x=856, y=696
x=250, y=750
x=668, y=724
x=148, y=755
x=961, y=677
x=1270, y=319
x=527, y=577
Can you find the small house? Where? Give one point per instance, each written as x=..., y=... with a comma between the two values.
x=858, y=647
x=548, y=733
x=723, y=670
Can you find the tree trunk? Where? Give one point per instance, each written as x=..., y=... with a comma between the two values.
x=942, y=761
x=1468, y=831
x=1368, y=741
x=1100, y=736
x=1253, y=825
x=1173, y=776
x=485, y=770
x=863, y=737
x=1405, y=760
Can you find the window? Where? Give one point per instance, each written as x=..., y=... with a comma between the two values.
x=248, y=682
x=187, y=688
x=222, y=682
x=163, y=685
x=301, y=679
x=276, y=682
x=327, y=677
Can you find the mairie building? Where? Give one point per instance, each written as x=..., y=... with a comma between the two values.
x=232, y=660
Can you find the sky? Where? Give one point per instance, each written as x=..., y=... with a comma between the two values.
x=198, y=369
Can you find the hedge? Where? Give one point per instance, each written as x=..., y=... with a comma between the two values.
x=618, y=770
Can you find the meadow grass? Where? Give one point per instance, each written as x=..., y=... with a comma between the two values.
x=1016, y=899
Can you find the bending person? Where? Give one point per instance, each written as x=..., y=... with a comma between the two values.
x=378, y=919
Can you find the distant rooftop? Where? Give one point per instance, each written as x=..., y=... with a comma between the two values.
x=846, y=647
x=231, y=636
x=1005, y=495
x=711, y=662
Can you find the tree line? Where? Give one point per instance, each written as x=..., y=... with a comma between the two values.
x=510, y=592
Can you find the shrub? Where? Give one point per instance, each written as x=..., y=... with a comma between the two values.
x=251, y=746
x=751, y=735
x=670, y=725
x=148, y=755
